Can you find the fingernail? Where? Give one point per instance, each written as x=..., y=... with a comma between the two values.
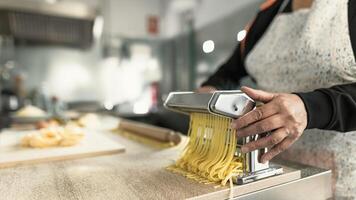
x=244, y=150
x=239, y=133
x=237, y=126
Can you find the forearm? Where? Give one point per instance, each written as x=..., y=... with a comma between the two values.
x=331, y=108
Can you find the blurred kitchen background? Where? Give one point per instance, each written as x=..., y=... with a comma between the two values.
x=117, y=56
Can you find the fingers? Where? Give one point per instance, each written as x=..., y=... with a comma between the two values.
x=277, y=149
x=284, y=113
x=258, y=95
x=271, y=140
x=263, y=126
x=258, y=114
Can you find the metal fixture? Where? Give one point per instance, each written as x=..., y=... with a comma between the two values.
x=233, y=104
x=38, y=22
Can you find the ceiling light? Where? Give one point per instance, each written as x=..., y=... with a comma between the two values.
x=51, y=1
x=241, y=35
x=208, y=46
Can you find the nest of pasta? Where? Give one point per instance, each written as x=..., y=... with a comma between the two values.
x=69, y=135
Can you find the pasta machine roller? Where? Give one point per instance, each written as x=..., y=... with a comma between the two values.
x=232, y=104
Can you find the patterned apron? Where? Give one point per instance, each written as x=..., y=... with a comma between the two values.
x=302, y=51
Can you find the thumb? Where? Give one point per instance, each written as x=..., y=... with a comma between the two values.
x=258, y=95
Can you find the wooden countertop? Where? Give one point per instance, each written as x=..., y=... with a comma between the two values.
x=137, y=174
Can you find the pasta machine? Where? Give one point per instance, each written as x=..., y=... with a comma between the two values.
x=233, y=104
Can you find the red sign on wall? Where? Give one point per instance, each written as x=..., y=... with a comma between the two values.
x=153, y=25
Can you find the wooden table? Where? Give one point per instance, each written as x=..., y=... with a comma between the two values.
x=137, y=174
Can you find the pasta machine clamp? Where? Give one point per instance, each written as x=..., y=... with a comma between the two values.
x=232, y=104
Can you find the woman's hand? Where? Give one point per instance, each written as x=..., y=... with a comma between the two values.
x=283, y=114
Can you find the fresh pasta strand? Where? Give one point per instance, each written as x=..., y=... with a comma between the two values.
x=209, y=156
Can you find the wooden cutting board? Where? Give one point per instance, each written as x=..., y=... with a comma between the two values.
x=93, y=144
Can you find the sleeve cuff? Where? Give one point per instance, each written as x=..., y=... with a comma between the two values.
x=319, y=108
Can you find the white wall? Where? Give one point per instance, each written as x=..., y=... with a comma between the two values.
x=212, y=10
x=128, y=18
x=204, y=13
x=68, y=73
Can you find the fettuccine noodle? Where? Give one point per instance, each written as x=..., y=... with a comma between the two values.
x=209, y=156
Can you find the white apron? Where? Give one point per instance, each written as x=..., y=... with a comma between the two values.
x=303, y=51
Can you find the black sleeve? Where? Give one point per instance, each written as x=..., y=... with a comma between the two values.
x=228, y=76
x=334, y=108
x=331, y=108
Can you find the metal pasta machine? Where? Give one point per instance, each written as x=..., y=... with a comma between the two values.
x=233, y=104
